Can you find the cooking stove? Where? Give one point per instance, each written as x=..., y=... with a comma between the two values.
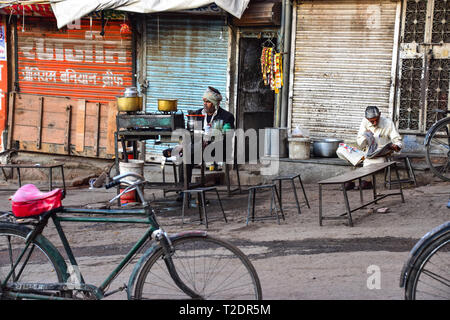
x=153, y=121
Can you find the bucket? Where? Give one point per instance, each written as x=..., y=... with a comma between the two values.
x=134, y=166
x=299, y=148
x=128, y=197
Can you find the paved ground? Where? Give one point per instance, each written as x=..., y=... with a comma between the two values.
x=297, y=259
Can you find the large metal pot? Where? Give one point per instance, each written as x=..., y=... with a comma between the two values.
x=167, y=105
x=130, y=92
x=128, y=104
x=326, y=148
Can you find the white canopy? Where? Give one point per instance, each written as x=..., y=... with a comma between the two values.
x=67, y=11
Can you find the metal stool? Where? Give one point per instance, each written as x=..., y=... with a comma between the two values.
x=292, y=177
x=252, y=199
x=202, y=203
x=163, y=171
x=388, y=182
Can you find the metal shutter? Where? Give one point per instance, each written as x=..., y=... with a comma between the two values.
x=343, y=60
x=76, y=63
x=184, y=57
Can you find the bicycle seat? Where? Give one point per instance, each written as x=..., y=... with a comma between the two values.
x=30, y=201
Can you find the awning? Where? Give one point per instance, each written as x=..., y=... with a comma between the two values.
x=27, y=8
x=67, y=11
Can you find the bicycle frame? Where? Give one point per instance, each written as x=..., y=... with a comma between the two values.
x=57, y=219
x=153, y=232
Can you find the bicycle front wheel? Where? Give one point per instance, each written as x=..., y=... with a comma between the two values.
x=438, y=151
x=213, y=268
x=37, y=264
x=430, y=275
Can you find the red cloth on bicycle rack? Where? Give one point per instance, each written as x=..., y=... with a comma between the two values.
x=30, y=201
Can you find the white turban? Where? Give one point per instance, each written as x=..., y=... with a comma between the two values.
x=213, y=95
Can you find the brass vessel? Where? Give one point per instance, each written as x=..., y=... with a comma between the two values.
x=128, y=104
x=167, y=105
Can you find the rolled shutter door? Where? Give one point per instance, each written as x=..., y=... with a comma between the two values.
x=343, y=60
x=184, y=57
x=75, y=63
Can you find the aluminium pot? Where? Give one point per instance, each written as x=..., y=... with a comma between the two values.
x=130, y=92
x=167, y=105
x=326, y=148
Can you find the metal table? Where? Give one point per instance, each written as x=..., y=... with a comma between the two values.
x=49, y=167
x=359, y=173
x=140, y=135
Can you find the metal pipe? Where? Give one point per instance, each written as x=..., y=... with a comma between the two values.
x=287, y=27
x=280, y=45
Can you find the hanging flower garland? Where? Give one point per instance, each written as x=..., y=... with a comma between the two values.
x=271, y=68
x=125, y=28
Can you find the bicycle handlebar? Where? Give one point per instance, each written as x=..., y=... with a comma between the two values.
x=111, y=184
x=118, y=179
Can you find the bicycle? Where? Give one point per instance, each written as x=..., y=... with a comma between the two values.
x=437, y=146
x=426, y=273
x=187, y=265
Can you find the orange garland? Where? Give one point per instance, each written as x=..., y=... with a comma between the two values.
x=271, y=68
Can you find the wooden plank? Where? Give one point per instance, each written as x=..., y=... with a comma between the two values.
x=24, y=101
x=81, y=129
x=67, y=131
x=31, y=102
x=97, y=130
x=358, y=173
x=39, y=122
x=80, y=125
x=111, y=127
x=49, y=119
x=49, y=135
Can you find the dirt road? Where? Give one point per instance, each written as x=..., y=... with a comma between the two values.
x=297, y=259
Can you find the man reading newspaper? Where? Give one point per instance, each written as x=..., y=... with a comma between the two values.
x=378, y=137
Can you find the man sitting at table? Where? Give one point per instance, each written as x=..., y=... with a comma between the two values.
x=383, y=131
x=212, y=112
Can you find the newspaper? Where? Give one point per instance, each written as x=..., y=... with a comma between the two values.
x=381, y=152
x=373, y=150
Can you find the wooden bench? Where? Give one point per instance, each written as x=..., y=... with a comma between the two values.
x=49, y=167
x=359, y=173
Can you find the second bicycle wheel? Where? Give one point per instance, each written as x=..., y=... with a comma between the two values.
x=430, y=275
x=438, y=150
x=213, y=268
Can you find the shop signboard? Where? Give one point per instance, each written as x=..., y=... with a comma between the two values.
x=3, y=80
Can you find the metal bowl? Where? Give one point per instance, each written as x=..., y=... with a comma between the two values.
x=326, y=148
x=167, y=105
x=128, y=104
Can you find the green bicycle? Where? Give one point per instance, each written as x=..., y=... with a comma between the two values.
x=187, y=265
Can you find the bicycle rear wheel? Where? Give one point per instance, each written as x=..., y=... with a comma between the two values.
x=430, y=275
x=213, y=268
x=37, y=264
x=438, y=151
